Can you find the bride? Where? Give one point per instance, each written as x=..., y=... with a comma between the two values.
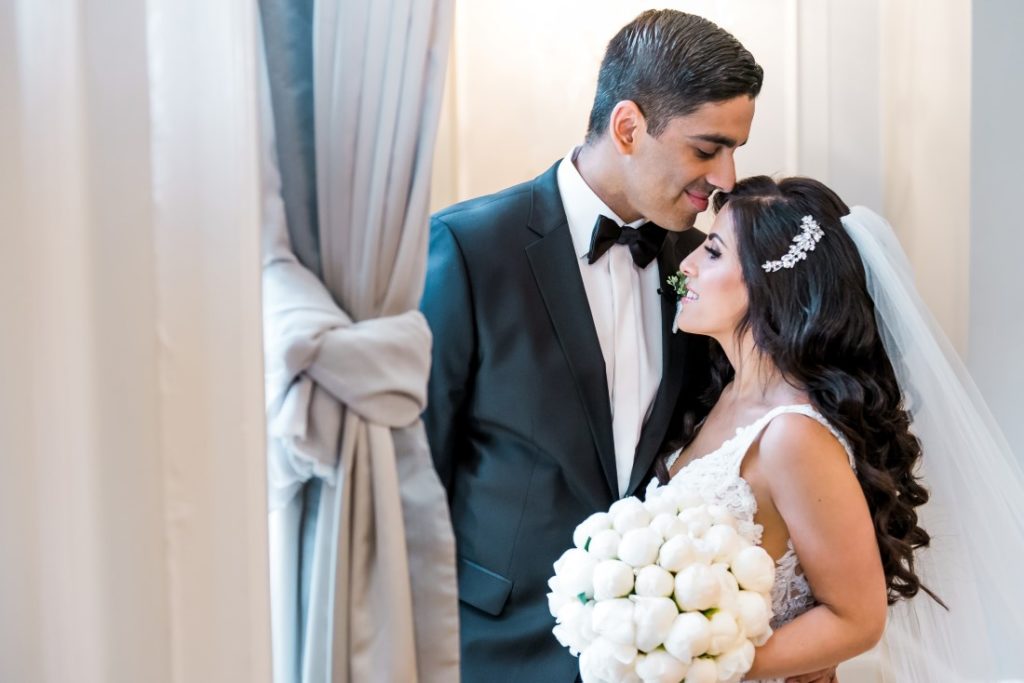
x=837, y=412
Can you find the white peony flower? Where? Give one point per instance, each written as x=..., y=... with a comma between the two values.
x=568, y=639
x=730, y=589
x=613, y=621
x=724, y=632
x=754, y=614
x=654, y=582
x=676, y=553
x=720, y=515
x=701, y=553
x=624, y=504
x=572, y=610
x=575, y=570
x=574, y=629
x=604, y=545
x=660, y=667
x=763, y=638
x=629, y=513
x=612, y=579
x=721, y=569
x=697, y=588
x=639, y=547
x=590, y=526
x=661, y=502
x=560, y=562
x=702, y=671
x=668, y=525
x=688, y=497
x=654, y=618
x=754, y=569
x=722, y=542
x=697, y=520
x=606, y=662
x=654, y=488
x=733, y=664
x=689, y=636
x=557, y=599
x=750, y=532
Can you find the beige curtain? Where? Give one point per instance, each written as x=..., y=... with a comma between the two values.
x=133, y=519
x=348, y=359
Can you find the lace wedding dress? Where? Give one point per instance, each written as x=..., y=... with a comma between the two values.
x=716, y=476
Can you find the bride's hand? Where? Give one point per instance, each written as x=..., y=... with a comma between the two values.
x=824, y=676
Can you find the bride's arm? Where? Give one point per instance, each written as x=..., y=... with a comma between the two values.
x=805, y=472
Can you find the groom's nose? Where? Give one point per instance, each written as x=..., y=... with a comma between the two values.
x=723, y=174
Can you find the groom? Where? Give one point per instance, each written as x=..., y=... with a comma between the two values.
x=555, y=372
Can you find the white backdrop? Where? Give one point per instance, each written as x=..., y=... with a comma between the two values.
x=996, y=247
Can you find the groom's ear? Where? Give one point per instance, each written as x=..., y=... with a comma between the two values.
x=625, y=124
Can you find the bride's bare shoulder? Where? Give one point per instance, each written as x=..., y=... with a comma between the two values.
x=797, y=441
x=806, y=470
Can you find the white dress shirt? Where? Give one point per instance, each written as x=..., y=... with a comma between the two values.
x=611, y=280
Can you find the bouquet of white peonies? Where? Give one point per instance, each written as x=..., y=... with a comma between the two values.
x=665, y=590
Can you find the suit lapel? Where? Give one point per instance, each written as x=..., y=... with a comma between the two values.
x=673, y=360
x=552, y=260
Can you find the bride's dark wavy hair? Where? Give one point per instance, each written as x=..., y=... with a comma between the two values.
x=816, y=322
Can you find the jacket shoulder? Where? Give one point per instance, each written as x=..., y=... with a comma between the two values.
x=515, y=205
x=487, y=210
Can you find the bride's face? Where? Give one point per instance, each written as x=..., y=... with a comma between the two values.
x=716, y=297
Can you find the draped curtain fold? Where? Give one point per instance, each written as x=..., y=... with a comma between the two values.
x=347, y=353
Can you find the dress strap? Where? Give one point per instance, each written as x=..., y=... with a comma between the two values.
x=750, y=434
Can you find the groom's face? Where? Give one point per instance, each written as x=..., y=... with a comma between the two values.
x=670, y=177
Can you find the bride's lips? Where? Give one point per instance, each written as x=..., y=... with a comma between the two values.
x=699, y=201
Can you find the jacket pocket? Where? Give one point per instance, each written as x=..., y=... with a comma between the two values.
x=482, y=588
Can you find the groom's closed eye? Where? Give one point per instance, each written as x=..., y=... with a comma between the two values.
x=719, y=140
x=704, y=154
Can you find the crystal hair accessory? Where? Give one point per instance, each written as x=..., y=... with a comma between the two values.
x=809, y=236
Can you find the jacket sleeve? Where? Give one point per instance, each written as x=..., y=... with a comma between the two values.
x=448, y=306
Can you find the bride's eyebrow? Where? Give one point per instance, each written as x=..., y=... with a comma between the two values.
x=715, y=236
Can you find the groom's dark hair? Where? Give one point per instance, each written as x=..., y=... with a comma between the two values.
x=670, y=63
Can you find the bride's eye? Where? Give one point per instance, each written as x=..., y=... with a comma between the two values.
x=713, y=253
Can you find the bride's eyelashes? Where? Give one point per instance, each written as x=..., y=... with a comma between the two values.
x=713, y=253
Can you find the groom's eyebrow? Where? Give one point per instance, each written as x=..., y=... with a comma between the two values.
x=717, y=139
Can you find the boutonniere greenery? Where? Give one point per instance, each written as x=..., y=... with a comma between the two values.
x=677, y=281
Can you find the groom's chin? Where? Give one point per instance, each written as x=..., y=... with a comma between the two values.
x=678, y=223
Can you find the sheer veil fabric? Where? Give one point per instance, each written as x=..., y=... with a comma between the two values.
x=974, y=515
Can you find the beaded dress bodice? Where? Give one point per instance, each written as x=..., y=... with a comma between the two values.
x=716, y=476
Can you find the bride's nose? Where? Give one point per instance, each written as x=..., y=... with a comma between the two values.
x=687, y=267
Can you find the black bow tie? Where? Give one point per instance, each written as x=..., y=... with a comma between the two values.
x=644, y=242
